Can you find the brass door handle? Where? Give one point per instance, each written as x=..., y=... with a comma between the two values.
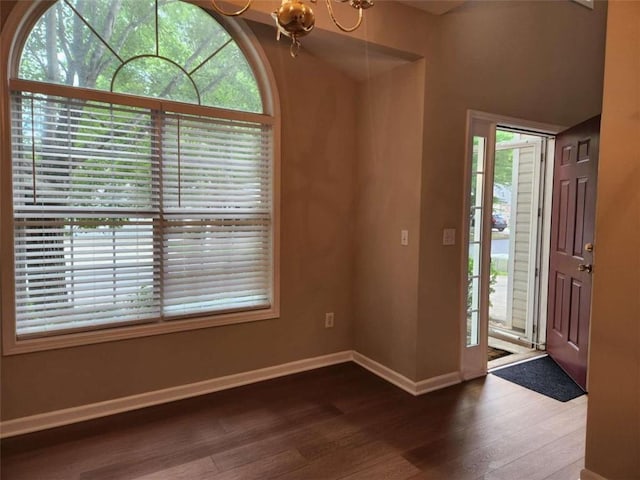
x=585, y=268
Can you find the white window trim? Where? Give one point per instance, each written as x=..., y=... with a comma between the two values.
x=13, y=35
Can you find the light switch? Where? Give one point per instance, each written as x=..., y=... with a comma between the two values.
x=449, y=236
x=404, y=237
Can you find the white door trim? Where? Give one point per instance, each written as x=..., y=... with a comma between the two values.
x=513, y=122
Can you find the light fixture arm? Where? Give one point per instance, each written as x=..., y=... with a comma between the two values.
x=295, y=19
x=231, y=14
x=338, y=24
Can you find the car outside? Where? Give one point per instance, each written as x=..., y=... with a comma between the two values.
x=498, y=222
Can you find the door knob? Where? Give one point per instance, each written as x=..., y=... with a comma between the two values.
x=585, y=268
x=588, y=247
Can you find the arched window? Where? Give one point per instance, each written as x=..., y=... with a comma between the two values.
x=165, y=49
x=142, y=167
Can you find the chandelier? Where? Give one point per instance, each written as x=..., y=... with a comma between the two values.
x=295, y=19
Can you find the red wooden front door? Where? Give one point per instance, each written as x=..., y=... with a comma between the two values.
x=572, y=243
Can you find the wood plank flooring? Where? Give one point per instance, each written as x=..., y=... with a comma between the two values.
x=338, y=422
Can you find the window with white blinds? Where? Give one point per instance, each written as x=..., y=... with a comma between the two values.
x=126, y=215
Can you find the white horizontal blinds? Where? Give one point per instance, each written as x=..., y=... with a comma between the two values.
x=217, y=216
x=82, y=155
x=72, y=275
x=85, y=195
x=125, y=214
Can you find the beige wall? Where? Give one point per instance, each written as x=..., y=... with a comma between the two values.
x=318, y=148
x=539, y=61
x=613, y=417
x=390, y=117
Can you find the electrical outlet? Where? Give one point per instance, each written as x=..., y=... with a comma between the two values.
x=404, y=237
x=328, y=320
x=449, y=236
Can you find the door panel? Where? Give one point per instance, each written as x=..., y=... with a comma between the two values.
x=563, y=216
x=581, y=200
x=557, y=317
x=575, y=312
x=570, y=263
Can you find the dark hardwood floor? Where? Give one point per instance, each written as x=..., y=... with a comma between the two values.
x=336, y=422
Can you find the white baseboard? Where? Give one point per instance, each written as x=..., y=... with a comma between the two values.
x=589, y=475
x=436, y=383
x=466, y=375
x=406, y=384
x=67, y=416
x=91, y=411
x=386, y=373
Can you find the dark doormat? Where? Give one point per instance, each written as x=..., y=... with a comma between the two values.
x=495, y=353
x=544, y=376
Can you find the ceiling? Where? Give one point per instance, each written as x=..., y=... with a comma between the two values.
x=435, y=7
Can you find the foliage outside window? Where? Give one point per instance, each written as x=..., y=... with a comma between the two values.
x=128, y=205
x=165, y=49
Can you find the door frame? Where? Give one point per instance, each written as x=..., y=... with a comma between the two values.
x=473, y=358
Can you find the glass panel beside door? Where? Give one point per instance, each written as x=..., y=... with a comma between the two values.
x=480, y=149
x=475, y=239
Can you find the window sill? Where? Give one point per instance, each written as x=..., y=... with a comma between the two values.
x=13, y=346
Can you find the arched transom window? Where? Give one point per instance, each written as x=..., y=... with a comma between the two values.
x=142, y=172
x=165, y=49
